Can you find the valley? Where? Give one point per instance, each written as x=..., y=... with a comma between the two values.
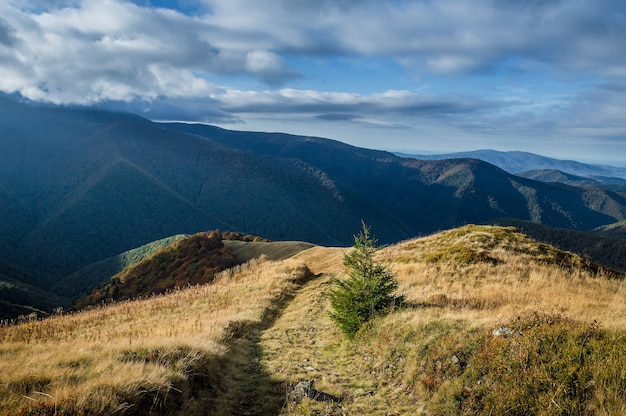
x=79, y=186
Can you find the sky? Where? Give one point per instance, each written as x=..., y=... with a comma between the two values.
x=419, y=76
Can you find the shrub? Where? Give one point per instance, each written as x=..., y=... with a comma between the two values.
x=369, y=289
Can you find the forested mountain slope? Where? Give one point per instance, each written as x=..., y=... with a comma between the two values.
x=80, y=186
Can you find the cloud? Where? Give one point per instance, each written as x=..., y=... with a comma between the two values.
x=90, y=51
x=443, y=37
x=338, y=117
x=181, y=109
x=391, y=108
x=7, y=33
x=110, y=42
x=226, y=61
x=269, y=67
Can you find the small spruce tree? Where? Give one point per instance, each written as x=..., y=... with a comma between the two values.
x=369, y=289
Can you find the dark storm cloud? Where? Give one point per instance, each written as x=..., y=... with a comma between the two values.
x=338, y=106
x=338, y=117
x=7, y=33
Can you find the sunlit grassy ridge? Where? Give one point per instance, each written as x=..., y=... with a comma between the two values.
x=566, y=318
x=153, y=356
x=565, y=354
x=496, y=273
x=239, y=345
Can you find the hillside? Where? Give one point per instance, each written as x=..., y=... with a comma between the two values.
x=617, y=230
x=109, y=183
x=180, y=261
x=82, y=186
x=429, y=195
x=190, y=261
x=553, y=175
x=488, y=309
x=606, y=246
x=177, y=354
x=19, y=296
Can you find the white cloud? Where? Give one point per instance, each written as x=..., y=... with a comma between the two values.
x=98, y=50
x=233, y=60
x=114, y=41
x=442, y=36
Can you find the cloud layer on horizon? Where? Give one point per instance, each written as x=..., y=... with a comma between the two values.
x=556, y=68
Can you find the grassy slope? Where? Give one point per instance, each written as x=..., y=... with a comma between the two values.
x=605, y=245
x=463, y=284
x=175, y=354
x=260, y=329
x=617, y=230
x=191, y=261
x=277, y=250
x=176, y=262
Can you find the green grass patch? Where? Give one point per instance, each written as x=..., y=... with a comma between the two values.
x=459, y=254
x=546, y=364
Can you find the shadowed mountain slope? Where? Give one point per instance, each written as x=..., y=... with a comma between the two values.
x=18, y=295
x=430, y=195
x=106, y=186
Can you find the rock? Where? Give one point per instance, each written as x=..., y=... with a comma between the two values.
x=306, y=367
x=301, y=391
x=306, y=389
x=504, y=332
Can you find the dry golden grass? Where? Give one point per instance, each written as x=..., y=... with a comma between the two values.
x=323, y=260
x=500, y=273
x=461, y=283
x=304, y=344
x=241, y=344
x=144, y=353
x=273, y=250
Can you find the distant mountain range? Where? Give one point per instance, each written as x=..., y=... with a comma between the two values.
x=79, y=186
x=553, y=175
x=516, y=162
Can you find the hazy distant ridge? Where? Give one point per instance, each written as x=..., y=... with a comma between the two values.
x=515, y=162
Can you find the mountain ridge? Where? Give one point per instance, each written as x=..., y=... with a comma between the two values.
x=555, y=175
x=518, y=161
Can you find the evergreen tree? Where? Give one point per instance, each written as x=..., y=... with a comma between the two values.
x=369, y=289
